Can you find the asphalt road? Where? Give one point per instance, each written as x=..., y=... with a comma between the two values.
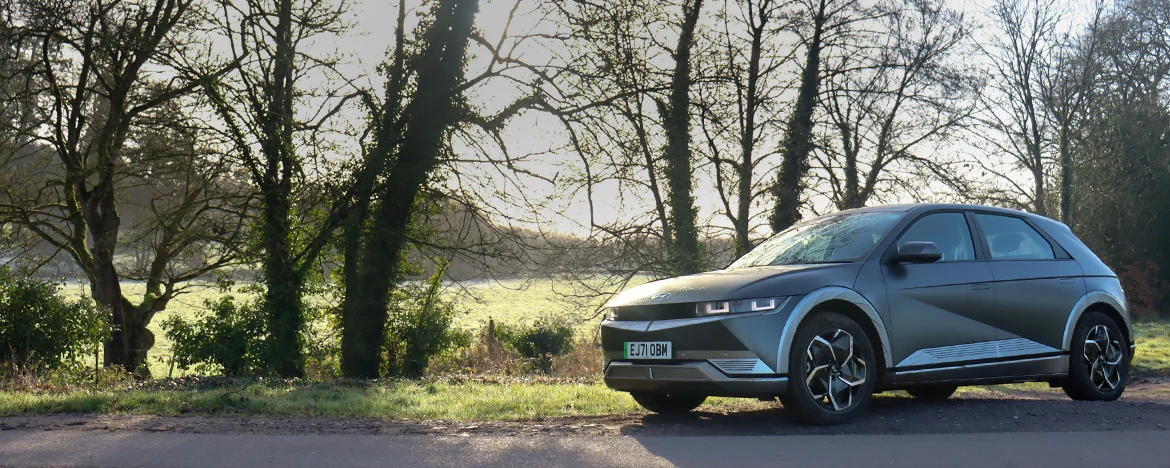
x=19, y=448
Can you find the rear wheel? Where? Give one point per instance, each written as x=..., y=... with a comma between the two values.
x=831, y=368
x=936, y=392
x=1098, y=363
x=663, y=403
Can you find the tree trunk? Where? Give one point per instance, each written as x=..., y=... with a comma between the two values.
x=285, y=287
x=430, y=113
x=107, y=293
x=285, y=284
x=743, y=225
x=130, y=341
x=798, y=140
x=685, y=254
x=354, y=351
x=852, y=181
x=1041, y=194
x=1066, y=177
x=352, y=354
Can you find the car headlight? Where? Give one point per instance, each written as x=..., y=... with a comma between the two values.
x=735, y=307
x=611, y=313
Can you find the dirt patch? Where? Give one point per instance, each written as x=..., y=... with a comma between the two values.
x=1145, y=406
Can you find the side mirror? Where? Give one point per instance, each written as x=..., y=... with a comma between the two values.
x=918, y=252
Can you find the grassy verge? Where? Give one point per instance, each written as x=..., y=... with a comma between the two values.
x=1153, y=348
x=468, y=401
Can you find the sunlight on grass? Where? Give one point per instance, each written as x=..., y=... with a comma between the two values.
x=523, y=301
x=412, y=400
x=1153, y=347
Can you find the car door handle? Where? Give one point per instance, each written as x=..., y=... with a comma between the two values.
x=1067, y=280
x=980, y=286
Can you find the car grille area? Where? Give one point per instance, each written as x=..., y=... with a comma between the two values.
x=655, y=312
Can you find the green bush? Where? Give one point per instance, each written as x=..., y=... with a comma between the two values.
x=40, y=329
x=540, y=342
x=419, y=327
x=228, y=338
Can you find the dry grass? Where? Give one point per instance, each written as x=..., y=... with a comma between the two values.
x=487, y=357
x=584, y=361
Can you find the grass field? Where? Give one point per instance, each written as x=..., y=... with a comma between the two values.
x=1153, y=348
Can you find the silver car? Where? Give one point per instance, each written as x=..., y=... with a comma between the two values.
x=923, y=298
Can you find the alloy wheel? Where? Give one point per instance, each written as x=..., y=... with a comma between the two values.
x=833, y=373
x=1103, y=354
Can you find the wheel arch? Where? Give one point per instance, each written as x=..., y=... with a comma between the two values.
x=845, y=301
x=1098, y=301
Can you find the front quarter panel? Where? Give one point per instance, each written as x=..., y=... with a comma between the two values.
x=820, y=296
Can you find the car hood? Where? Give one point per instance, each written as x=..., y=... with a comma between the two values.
x=718, y=285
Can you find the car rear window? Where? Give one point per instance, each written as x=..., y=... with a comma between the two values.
x=1011, y=238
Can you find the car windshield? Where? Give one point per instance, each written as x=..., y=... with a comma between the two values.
x=837, y=238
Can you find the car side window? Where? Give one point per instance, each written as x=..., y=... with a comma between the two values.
x=1011, y=238
x=948, y=231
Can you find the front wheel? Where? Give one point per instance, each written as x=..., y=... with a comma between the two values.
x=1098, y=364
x=663, y=403
x=832, y=372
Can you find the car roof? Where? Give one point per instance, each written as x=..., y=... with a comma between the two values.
x=921, y=207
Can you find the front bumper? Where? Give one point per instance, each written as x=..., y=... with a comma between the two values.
x=724, y=355
x=695, y=378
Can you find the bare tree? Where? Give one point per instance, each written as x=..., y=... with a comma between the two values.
x=274, y=108
x=411, y=133
x=897, y=91
x=1024, y=31
x=623, y=96
x=824, y=19
x=742, y=109
x=1067, y=82
x=105, y=110
x=685, y=255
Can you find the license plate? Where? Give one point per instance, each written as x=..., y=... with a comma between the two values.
x=647, y=350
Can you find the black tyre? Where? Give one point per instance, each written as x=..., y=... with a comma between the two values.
x=663, y=403
x=936, y=392
x=831, y=370
x=1098, y=362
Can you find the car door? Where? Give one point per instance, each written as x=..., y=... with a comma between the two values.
x=938, y=310
x=1037, y=285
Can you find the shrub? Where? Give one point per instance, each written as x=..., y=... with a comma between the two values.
x=485, y=355
x=320, y=338
x=583, y=361
x=540, y=342
x=419, y=327
x=39, y=329
x=1143, y=288
x=227, y=337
